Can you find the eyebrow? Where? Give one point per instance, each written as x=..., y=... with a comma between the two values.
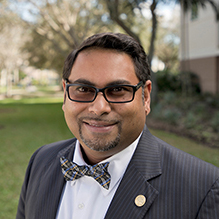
x=82, y=81
x=87, y=82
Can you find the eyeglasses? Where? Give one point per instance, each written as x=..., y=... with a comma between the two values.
x=113, y=94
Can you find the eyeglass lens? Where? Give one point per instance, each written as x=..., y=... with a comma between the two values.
x=83, y=93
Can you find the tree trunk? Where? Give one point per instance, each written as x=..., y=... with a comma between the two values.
x=154, y=31
x=151, y=49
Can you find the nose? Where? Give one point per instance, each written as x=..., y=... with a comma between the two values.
x=99, y=106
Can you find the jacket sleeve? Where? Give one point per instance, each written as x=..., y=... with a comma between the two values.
x=210, y=205
x=21, y=204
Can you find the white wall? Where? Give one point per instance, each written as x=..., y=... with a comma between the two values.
x=199, y=37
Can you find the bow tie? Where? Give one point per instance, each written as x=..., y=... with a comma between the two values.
x=72, y=171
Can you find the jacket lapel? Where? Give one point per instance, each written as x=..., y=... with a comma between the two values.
x=50, y=193
x=144, y=166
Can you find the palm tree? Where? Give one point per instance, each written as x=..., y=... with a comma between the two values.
x=187, y=5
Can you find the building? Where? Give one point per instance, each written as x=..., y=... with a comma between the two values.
x=199, y=50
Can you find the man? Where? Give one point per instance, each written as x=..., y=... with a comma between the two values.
x=106, y=100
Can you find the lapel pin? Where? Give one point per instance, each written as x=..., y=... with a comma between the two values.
x=140, y=200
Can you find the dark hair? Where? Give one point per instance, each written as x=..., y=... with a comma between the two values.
x=115, y=41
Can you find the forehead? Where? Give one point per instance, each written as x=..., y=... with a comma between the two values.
x=103, y=65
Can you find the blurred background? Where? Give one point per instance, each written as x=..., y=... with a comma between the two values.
x=181, y=39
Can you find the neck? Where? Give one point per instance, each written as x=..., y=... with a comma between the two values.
x=92, y=160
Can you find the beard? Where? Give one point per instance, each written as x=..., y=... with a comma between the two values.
x=100, y=143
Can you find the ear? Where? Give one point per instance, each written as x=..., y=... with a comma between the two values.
x=147, y=97
x=64, y=85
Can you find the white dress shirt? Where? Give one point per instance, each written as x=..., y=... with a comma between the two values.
x=85, y=198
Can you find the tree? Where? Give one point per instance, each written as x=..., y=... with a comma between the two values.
x=58, y=27
x=12, y=36
x=117, y=10
x=167, y=43
x=188, y=4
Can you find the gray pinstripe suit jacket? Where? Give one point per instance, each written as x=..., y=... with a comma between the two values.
x=175, y=184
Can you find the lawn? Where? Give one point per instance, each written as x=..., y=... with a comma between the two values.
x=26, y=125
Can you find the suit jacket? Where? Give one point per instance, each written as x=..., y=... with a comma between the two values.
x=176, y=185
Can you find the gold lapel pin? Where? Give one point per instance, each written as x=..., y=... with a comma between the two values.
x=140, y=200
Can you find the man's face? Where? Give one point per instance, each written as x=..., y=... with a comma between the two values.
x=103, y=128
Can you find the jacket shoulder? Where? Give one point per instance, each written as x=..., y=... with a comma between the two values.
x=50, y=151
x=175, y=159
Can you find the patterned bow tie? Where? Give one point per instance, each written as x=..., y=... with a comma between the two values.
x=72, y=171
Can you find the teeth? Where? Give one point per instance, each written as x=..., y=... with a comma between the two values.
x=97, y=125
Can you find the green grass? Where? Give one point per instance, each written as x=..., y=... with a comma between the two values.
x=210, y=155
x=24, y=128
x=27, y=125
x=32, y=100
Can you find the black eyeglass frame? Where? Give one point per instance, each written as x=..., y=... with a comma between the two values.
x=102, y=90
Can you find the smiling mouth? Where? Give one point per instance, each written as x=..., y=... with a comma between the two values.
x=99, y=126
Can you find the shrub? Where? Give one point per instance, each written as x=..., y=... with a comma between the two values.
x=172, y=116
x=156, y=111
x=215, y=122
x=167, y=81
x=190, y=82
x=190, y=120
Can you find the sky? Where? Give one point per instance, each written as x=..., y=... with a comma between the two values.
x=163, y=10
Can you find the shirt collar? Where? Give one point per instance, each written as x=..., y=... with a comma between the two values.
x=118, y=162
